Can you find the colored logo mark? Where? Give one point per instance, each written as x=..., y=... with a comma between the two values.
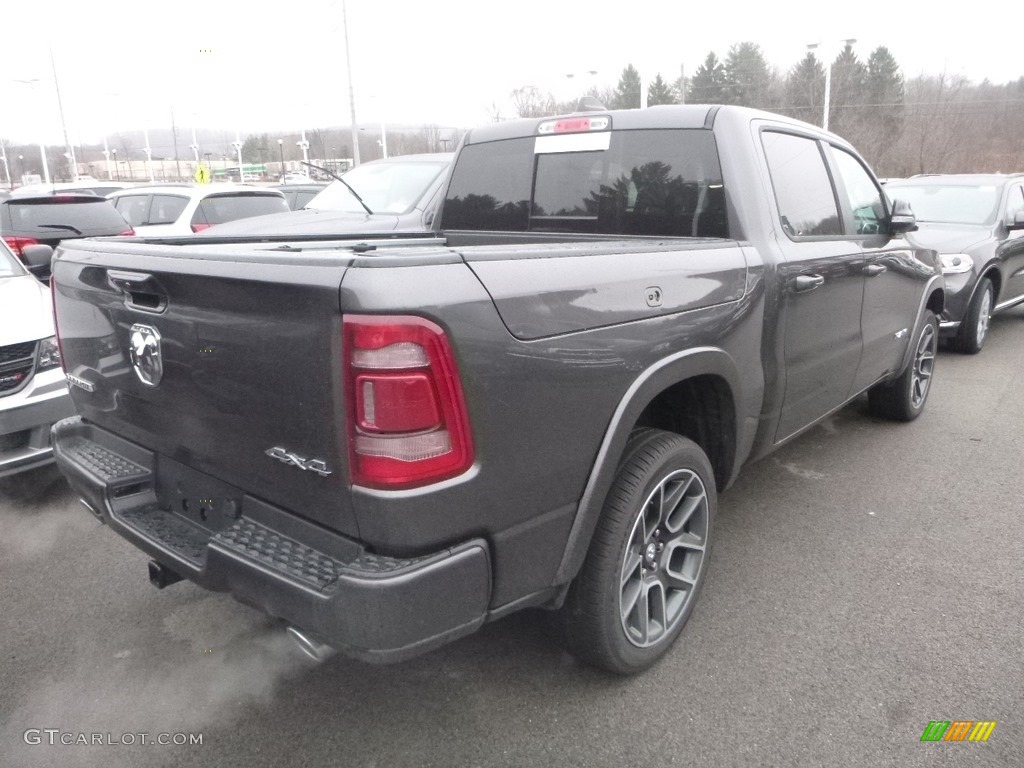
x=958, y=730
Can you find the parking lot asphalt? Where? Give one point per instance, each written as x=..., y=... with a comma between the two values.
x=866, y=579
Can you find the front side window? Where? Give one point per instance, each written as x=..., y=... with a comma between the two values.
x=864, y=198
x=642, y=182
x=1015, y=203
x=803, y=189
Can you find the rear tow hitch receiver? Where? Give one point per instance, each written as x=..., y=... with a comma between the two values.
x=161, y=576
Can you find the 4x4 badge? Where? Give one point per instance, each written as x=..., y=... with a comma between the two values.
x=145, y=352
x=312, y=465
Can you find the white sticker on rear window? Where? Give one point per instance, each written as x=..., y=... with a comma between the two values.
x=572, y=142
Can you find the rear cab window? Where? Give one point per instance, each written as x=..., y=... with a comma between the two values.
x=650, y=182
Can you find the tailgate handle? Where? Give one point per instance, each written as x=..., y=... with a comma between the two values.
x=141, y=291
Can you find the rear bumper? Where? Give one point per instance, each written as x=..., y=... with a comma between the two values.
x=368, y=606
x=25, y=421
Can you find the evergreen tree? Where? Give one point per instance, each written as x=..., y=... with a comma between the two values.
x=805, y=89
x=627, y=93
x=660, y=92
x=849, y=92
x=748, y=77
x=884, y=82
x=707, y=86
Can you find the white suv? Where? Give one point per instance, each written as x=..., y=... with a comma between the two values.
x=33, y=391
x=184, y=209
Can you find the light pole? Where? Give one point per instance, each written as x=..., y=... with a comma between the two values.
x=194, y=146
x=21, y=164
x=280, y=149
x=117, y=168
x=149, y=155
x=106, y=157
x=828, y=78
x=7, y=168
x=304, y=146
x=237, y=144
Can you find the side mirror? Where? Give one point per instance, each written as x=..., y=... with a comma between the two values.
x=1018, y=221
x=902, y=218
x=37, y=257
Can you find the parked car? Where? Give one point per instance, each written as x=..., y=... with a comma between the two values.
x=296, y=178
x=976, y=223
x=52, y=219
x=399, y=193
x=82, y=186
x=298, y=195
x=181, y=210
x=33, y=390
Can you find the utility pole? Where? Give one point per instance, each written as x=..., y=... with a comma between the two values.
x=63, y=125
x=351, y=93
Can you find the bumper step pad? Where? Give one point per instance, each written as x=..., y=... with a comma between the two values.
x=259, y=543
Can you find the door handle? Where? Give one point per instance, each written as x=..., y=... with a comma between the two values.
x=874, y=269
x=141, y=291
x=808, y=283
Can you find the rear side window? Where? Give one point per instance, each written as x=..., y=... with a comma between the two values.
x=803, y=189
x=221, y=208
x=645, y=182
x=166, y=209
x=68, y=217
x=134, y=208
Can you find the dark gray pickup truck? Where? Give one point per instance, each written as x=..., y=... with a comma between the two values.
x=386, y=441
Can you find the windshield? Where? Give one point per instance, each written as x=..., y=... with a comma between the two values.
x=9, y=264
x=392, y=187
x=950, y=203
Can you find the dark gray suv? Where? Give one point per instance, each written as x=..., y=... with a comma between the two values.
x=976, y=223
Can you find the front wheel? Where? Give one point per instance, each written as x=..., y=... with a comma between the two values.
x=974, y=329
x=904, y=398
x=648, y=558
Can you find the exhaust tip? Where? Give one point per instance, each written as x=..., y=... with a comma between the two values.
x=310, y=645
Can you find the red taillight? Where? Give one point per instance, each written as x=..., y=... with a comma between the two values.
x=17, y=243
x=127, y=233
x=408, y=425
x=200, y=227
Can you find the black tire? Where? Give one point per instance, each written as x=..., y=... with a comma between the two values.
x=974, y=328
x=904, y=398
x=637, y=562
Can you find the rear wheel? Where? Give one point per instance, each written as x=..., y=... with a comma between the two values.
x=904, y=398
x=648, y=558
x=974, y=329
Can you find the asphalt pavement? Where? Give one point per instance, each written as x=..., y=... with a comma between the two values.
x=866, y=579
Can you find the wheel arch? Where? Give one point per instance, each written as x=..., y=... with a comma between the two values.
x=708, y=373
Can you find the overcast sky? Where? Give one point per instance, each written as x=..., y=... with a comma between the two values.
x=123, y=64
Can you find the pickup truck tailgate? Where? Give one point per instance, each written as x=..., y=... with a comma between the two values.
x=236, y=364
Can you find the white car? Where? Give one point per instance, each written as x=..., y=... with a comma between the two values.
x=183, y=209
x=84, y=184
x=33, y=391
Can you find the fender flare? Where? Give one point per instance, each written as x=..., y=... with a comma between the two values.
x=700, y=361
x=908, y=354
